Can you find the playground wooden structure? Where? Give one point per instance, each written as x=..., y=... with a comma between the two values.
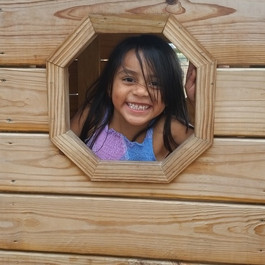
x=60, y=205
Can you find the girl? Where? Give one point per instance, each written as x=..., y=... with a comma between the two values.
x=136, y=110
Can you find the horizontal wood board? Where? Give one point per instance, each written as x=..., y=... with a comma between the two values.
x=30, y=258
x=124, y=227
x=232, y=31
x=23, y=99
x=231, y=170
x=240, y=102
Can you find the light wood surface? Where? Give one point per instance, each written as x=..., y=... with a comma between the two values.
x=231, y=170
x=23, y=99
x=124, y=227
x=205, y=76
x=133, y=23
x=29, y=36
x=26, y=258
x=240, y=102
x=130, y=171
x=52, y=213
x=58, y=81
x=74, y=44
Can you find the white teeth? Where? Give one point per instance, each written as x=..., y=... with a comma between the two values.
x=137, y=107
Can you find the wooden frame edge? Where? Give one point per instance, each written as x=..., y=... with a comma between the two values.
x=129, y=171
x=74, y=44
x=77, y=151
x=58, y=101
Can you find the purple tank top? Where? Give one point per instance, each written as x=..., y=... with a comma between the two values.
x=111, y=145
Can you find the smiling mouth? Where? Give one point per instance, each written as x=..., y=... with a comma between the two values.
x=137, y=106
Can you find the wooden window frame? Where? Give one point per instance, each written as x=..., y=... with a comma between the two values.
x=58, y=99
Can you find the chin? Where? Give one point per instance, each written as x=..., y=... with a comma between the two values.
x=138, y=123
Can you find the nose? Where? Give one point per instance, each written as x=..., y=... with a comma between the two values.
x=140, y=90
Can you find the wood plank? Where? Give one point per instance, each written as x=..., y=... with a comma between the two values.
x=226, y=29
x=205, y=77
x=23, y=99
x=232, y=31
x=124, y=23
x=240, y=102
x=78, y=152
x=58, y=99
x=29, y=36
x=231, y=170
x=166, y=230
x=75, y=44
x=25, y=258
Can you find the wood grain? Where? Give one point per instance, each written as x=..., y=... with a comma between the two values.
x=205, y=76
x=213, y=212
x=227, y=29
x=130, y=171
x=26, y=258
x=58, y=99
x=136, y=228
x=78, y=152
x=124, y=23
x=23, y=99
x=231, y=170
x=183, y=156
x=74, y=44
x=240, y=102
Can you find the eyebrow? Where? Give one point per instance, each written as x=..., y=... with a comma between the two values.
x=127, y=71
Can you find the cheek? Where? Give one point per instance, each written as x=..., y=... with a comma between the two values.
x=115, y=92
x=157, y=97
x=117, y=97
x=160, y=103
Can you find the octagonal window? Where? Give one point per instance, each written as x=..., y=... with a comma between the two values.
x=82, y=45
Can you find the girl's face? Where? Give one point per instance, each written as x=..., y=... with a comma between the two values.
x=135, y=104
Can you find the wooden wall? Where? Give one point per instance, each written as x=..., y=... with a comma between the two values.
x=212, y=213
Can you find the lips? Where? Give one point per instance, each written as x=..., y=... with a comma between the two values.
x=140, y=107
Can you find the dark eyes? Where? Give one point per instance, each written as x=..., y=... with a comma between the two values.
x=154, y=85
x=128, y=80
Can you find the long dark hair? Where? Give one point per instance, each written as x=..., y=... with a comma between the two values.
x=164, y=63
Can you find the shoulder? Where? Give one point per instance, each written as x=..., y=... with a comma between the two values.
x=158, y=143
x=179, y=133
